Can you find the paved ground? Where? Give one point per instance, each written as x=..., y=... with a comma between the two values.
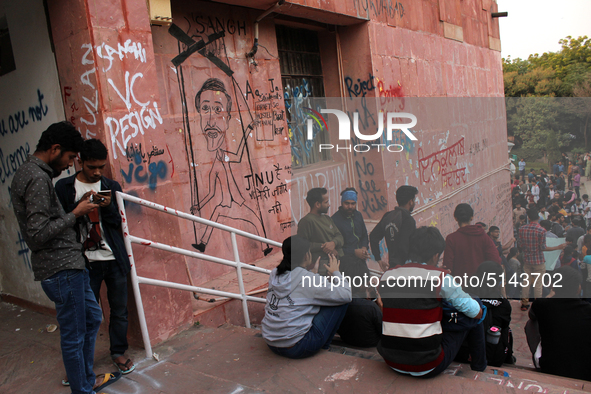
x=233, y=359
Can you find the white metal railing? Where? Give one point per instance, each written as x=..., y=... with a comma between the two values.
x=136, y=280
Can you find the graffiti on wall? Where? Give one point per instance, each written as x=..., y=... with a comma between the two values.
x=14, y=124
x=442, y=165
x=142, y=169
x=21, y=118
x=269, y=113
x=142, y=115
x=391, y=8
x=370, y=183
x=24, y=251
x=298, y=104
x=218, y=192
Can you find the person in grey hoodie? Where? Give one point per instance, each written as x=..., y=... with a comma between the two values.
x=304, y=309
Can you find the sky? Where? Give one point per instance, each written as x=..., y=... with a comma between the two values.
x=535, y=26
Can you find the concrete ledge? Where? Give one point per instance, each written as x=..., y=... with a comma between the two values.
x=453, y=32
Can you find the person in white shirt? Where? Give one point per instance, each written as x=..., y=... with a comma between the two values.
x=535, y=191
x=587, y=205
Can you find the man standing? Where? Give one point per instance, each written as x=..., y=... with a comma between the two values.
x=352, y=227
x=469, y=246
x=577, y=183
x=587, y=204
x=518, y=211
x=397, y=227
x=522, y=168
x=533, y=243
x=318, y=228
x=56, y=257
x=103, y=242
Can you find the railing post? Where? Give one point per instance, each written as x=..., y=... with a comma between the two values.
x=240, y=282
x=134, y=279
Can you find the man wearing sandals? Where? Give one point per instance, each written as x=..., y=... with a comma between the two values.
x=100, y=232
x=56, y=258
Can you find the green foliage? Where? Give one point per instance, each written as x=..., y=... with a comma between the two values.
x=529, y=155
x=549, y=125
x=579, y=149
x=552, y=74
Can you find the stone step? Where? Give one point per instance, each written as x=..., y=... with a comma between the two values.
x=521, y=379
x=219, y=311
x=510, y=376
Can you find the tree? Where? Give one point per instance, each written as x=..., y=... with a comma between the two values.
x=567, y=73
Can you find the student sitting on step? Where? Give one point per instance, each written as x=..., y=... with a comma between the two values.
x=304, y=309
x=558, y=330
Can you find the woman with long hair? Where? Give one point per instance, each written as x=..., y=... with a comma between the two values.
x=304, y=309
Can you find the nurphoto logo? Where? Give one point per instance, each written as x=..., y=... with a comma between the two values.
x=392, y=123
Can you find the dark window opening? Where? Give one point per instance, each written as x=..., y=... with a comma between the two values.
x=303, y=84
x=6, y=56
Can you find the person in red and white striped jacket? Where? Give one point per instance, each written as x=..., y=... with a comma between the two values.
x=413, y=341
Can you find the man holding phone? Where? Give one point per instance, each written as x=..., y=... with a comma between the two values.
x=100, y=232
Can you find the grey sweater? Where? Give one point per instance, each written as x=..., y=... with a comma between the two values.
x=293, y=299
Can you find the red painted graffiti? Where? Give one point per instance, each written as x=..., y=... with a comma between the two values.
x=443, y=163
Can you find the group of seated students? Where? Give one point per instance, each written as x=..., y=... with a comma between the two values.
x=323, y=286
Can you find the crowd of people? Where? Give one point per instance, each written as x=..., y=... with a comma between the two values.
x=420, y=327
x=415, y=312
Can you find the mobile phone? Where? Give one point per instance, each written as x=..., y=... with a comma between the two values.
x=105, y=193
x=95, y=199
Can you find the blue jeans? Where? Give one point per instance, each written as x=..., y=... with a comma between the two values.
x=116, y=282
x=324, y=325
x=79, y=317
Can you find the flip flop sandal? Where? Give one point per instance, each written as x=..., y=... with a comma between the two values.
x=109, y=379
x=126, y=365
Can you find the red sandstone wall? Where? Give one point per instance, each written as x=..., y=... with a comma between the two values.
x=116, y=74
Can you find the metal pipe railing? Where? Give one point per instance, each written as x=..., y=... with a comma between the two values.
x=136, y=280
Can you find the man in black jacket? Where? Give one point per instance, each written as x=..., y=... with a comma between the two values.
x=351, y=225
x=563, y=323
x=396, y=226
x=100, y=231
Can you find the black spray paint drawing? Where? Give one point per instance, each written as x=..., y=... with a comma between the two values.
x=214, y=104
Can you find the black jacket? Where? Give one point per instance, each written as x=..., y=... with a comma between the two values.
x=396, y=226
x=353, y=230
x=110, y=217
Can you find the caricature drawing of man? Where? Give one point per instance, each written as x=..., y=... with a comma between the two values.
x=213, y=103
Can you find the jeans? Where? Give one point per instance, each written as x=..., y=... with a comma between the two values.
x=79, y=317
x=116, y=282
x=324, y=325
x=451, y=343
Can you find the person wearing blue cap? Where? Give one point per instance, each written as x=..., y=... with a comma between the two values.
x=350, y=223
